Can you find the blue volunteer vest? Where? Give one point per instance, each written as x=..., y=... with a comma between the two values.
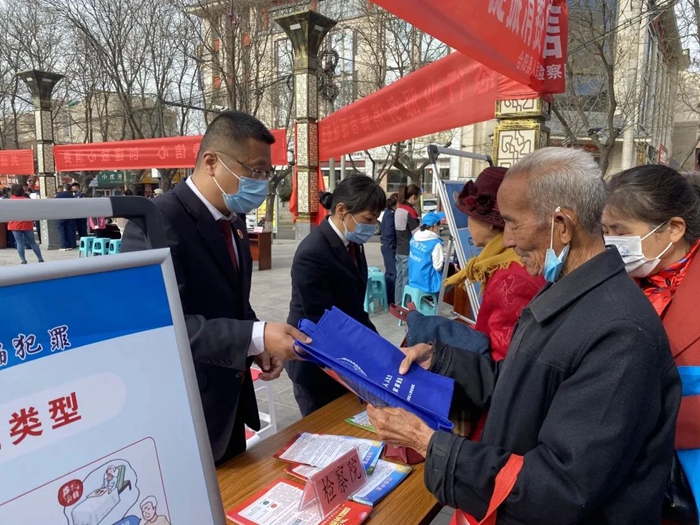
x=421, y=274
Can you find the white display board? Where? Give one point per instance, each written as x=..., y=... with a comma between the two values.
x=100, y=417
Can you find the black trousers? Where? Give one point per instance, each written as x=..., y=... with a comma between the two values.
x=66, y=231
x=313, y=388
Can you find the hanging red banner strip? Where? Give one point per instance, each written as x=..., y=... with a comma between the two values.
x=163, y=153
x=525, y=40
x=17, y=162
x=452, y=92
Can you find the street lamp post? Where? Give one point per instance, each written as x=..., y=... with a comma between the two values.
x=306, y=30
x=41, y=85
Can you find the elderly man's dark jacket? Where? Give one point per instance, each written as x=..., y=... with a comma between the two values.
x=588, y=394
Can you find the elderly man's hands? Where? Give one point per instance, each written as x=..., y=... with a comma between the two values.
x=398, y=427
x=421, y=354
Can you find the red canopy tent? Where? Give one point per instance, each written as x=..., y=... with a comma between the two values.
x=518, y=53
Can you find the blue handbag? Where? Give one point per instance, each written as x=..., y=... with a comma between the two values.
x=368, y=365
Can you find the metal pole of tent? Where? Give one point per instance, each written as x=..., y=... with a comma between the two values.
x=433, y=152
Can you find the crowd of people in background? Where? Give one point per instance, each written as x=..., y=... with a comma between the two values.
x=70, y=230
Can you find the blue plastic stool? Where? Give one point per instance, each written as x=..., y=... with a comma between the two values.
x=115, y=247
x=369, y=299
x=85, y=246
x=420, y=299
x=376, y=282
x=100, y=246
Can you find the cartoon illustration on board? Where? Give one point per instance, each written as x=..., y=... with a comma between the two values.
x=149, y=511
x=111, y=491
x=123, y=488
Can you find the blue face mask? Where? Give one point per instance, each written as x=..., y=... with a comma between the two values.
x=251, y=194
x=553, y=264
x=362, y=233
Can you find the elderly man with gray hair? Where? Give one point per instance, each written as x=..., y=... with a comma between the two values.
x=581, y=417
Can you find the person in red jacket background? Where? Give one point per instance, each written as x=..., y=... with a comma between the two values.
x=505, y=284
x=23, y=231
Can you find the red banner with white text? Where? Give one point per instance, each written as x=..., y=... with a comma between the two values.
x=525, y=40
x=17, y=162
x=452, y=92
x=163, y=153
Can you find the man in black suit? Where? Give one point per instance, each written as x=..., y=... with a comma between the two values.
x=205, y=226
x=66, y=227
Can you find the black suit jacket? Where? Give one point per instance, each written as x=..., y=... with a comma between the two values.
x=324, y=275
x=218, y=315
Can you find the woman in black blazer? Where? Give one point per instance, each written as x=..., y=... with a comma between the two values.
x=330, y=269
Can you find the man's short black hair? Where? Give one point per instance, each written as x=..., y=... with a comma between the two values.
x=17, y=190
x=233, y=127
x=75, y=184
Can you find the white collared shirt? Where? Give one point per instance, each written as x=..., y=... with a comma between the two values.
x=257, y=341
x=340, y=234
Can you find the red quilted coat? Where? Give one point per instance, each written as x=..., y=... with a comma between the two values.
x=505, y=295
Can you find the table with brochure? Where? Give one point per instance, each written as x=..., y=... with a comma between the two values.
x=248, y=474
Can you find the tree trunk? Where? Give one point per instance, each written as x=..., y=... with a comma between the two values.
x=270, y=210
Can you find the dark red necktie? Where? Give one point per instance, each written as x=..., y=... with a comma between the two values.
x=227, y=232
x=353, y=253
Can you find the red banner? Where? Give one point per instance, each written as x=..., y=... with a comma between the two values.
x=452, y=92
x=525, y=40
x=163, y=153
x=17, y=162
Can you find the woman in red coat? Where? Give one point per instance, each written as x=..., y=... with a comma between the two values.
x=506, y=286
x=652, y=216
x=23, y=231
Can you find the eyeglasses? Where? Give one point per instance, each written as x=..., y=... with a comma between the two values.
x=254, y=174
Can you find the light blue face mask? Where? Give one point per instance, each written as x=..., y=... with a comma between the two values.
x=362, y=234
x=553, y=264
x=251, y=193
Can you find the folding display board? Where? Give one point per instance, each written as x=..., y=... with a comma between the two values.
x=101, y=421
x=461, y=240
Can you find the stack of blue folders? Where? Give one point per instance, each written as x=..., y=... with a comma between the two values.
x=368, y=364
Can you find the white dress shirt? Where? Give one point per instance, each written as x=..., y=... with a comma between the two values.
x=257, y=341
x=340, y=234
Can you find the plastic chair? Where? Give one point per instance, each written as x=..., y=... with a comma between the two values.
x=421, y=299
x=268, y=420
x=115, y=247
x=376, y=283
x=100, y=246
x=369, y=298
x=85, y=248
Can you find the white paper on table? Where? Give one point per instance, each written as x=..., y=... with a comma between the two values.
x=321, y=450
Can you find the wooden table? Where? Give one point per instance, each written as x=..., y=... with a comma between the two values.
x=409, y=504
x=261, y=249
